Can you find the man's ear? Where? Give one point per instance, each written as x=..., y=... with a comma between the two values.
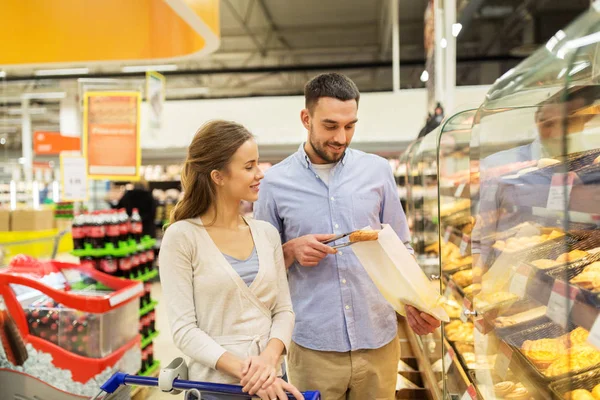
x=305, y=118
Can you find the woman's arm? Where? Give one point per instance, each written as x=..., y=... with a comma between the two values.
x=283, y=317
x=176, y=278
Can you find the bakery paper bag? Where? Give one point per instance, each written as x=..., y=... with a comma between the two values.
x=397, y=275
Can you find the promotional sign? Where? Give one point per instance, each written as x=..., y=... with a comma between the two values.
x=111, y=135
x=52, y=143
x=155, y=97
x=73, y=178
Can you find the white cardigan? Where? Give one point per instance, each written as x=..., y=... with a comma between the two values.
x=211, y=310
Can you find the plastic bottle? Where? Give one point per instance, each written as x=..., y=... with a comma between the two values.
x=78, y=232
x=112, y=228
x=123, y=225
x=97, y=232
x=87, y=228
x=136, y=225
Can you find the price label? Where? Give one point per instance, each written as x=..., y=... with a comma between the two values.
x=561, y=302
x=447, y=361
x=73, y=177
x=518, y=284
x=460, y=189
x=466, y=239
x=594, y=336
x=503, y=360
x=470, y=394
x=447, y=234
x=560, y=190
x=448, y=291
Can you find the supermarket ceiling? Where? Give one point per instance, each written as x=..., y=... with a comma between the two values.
x=271, y=47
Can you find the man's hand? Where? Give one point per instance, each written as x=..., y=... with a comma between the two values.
x=420, y=322
x=307, y=250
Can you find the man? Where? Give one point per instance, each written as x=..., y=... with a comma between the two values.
x=345, y=339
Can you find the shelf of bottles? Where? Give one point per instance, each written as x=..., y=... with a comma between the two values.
x=112, y=242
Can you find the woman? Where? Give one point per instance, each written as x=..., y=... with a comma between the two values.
x=223, y=275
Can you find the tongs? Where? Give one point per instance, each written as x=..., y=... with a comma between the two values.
x=338, y=237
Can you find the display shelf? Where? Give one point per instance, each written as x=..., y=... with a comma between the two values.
x=463, y=382
x=148, y=307
x=425, y=367
x=148, y=339
x=457, y=191
x=147, y=276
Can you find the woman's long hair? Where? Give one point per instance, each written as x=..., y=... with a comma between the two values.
x=211, y=149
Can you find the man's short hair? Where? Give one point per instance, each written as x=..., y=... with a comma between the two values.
x=330, y=84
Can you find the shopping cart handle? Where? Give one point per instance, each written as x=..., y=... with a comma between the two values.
x=119, y=379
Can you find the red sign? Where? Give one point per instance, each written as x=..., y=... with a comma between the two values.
x=52, y=143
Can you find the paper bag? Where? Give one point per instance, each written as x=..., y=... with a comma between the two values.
x=398, y=276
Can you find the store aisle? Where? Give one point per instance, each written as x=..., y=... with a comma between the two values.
x=164, y=349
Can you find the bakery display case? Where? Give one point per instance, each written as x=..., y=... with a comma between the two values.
x=535, y=240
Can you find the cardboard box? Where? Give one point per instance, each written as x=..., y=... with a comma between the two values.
x=4, y=220
x=31, y=220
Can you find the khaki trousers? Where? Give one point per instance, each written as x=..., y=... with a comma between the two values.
x=354, y=375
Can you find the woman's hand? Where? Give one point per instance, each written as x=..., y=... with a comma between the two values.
x=277, y=391
x=258, y=373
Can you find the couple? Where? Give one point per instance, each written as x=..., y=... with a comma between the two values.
x=225, y=278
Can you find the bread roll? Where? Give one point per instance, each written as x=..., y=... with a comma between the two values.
x=596, y=392
x=546, y=162
x=545, y=264
x=364, y=236
x=580, y=394
x=571, y=256
x=597, y=160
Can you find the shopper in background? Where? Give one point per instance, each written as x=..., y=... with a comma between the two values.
x=345, y=341
x=223, y=276
x=140, y=197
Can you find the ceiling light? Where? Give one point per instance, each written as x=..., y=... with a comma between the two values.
x=444, y=43
x=145, y=68
x=424, y=76
x=2, y=74
x=456, y=28
x=44, y=95
x=62, y=71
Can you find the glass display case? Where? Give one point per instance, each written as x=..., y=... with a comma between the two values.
x=536, y=238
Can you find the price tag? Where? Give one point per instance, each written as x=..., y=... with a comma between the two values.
x=594, y=336
x=73, y=177
x=503, y=360
x=561, y=302
x=447, y=361
x=460, y=189
x=466, y=239
x=447, y=234
x=560, y=190
x=448, y=291
x=518, y=284
x=470, y=394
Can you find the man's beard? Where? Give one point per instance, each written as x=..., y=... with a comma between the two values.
x=322, y=153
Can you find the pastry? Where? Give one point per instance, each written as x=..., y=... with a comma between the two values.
x=501, y=389
x=596, y=392
x=519, y=393
x=577, y=336
x=470, y=290
x=458, y=263
x=546, y=162
x=499, y=245
x=363, y=236
x=458, y=331
x=465, y=347
x=593, y=267
x=543, y=352
x=571, y=256
x=545, y=264
x=555, y=234
x=597, y=160
x=579, y=357
x=463, y=278
x=579, y=394
x=470, y=360
x=452, y=309
x=589, y=280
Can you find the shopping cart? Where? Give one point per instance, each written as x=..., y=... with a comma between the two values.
x=173, y=379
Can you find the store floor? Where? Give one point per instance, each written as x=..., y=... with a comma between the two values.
x=164, y=349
